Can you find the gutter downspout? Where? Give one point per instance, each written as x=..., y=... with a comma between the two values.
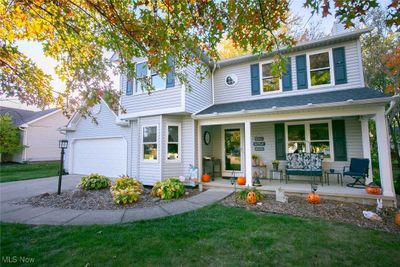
x=212, y=82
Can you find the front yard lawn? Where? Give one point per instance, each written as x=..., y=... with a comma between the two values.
x=15, y=172
x=213, y=236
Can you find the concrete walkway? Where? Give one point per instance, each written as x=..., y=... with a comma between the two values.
x=14, y=191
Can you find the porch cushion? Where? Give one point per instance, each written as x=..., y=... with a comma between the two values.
x=314, y=162
x=295, y=160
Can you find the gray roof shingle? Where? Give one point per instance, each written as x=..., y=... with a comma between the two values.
x=296, y=100
x=21, y=116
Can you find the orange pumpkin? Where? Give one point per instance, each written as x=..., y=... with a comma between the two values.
x=241, y=180
x=397, y=218
x=205, y=178
x=313, y=198
x=373, y=190
x=251, y=198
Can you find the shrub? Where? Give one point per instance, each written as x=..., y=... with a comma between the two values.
x=243, y=193
x=168, y=189
x=126, y=190
x=94, y=181
x=125, y=196
x=124, y=182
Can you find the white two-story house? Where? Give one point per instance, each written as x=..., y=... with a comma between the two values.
x=320, y=105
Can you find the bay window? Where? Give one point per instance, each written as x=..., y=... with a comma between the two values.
x=312, y=137
x=270, y=83
x=320, y=69
x=150, y=143
x=173, y=146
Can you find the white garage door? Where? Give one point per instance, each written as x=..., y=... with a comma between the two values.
x=106, y=156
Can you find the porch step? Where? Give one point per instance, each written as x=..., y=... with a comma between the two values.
x=364, y=199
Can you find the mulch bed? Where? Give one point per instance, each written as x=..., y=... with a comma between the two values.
x=96, y=200
x=328, y=209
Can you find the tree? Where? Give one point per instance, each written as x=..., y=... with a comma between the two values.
x=77, y=32
x=9, y=137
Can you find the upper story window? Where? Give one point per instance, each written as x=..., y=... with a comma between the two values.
x=269, y=82
x=173, y=142
x=150, y=143
x=320, y=68
x=142, y=71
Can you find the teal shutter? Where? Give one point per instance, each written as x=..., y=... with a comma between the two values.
x=171, y=74
x=255, y=79
x=301, y=70
x=287, y=77
x=339, y=140
x=129, y=86
x=280, y=146
x=339, y=64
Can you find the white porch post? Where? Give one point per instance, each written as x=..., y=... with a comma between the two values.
x=366, y=145
x=247, y=145
x=200, y=154
x=385, y=162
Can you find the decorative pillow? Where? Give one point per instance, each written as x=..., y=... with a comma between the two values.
x=316, y=161
x=295, y=161
x=307, y=160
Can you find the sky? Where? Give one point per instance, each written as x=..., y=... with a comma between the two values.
x=35, y=52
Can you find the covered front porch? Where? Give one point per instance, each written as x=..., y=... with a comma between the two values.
x=230, y=143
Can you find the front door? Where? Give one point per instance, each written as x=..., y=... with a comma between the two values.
x=232, y=148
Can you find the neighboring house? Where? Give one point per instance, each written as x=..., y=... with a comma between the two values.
x=320, y=105
x=39, y=133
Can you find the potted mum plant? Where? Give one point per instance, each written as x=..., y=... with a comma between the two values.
x=275, y=165
x=254, y=158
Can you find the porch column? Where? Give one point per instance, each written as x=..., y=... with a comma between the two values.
x=385, y=162
x=247, y=145
x=199, y=153
x=366, y=146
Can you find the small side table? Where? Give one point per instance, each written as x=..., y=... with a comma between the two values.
x=338, y=176
x=271, y=173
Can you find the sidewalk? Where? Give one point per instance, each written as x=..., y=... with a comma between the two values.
x=13, y=191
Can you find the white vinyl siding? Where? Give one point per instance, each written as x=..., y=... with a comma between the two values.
x=241, y=91
x=200, y=96
x=105, y=127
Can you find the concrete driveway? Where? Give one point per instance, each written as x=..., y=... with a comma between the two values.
x=14, y=191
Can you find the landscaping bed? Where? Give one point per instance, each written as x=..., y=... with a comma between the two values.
x=328, y=209
x=79, y=199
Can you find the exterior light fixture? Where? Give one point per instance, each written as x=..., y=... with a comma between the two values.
x=63, y=144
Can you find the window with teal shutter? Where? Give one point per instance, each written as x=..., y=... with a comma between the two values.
x=255, y=79
x=287, y=77
x=301, y=71
x=339, y=63
x=339, y=140
x=280, y=146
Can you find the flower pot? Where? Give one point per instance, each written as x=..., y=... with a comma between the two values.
x=275, y=166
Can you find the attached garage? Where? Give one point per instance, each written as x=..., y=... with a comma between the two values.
x=107, y=156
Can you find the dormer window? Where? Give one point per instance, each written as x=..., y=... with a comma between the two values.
x=269, y=82
x=320, y=69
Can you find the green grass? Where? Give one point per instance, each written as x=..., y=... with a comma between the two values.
x=16, y=172
x=214, y=236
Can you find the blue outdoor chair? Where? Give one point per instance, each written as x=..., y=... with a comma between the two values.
x=358, y=170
